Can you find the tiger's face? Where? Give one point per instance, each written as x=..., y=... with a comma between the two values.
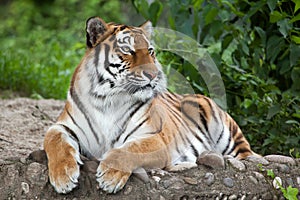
x=124, y=60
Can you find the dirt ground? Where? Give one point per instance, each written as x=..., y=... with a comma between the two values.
x=23, y=123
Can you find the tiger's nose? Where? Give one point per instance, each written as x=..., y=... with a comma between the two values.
x=149, y=75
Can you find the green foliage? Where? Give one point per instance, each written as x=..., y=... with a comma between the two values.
x=255, y=45
x=289, y=192
x=41, y=42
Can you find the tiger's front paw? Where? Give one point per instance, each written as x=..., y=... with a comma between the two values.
x=110, y=179
x=64, y=175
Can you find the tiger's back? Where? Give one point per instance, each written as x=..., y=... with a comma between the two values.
x=119, y=111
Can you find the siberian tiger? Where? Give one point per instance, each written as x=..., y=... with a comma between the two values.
x=119, y=111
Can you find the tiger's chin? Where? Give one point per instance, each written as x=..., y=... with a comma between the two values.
x=144, y=95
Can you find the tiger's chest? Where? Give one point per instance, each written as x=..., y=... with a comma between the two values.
x=112, y=128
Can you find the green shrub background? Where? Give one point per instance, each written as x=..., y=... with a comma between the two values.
x=255, y=44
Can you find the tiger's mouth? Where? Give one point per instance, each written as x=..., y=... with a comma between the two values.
x=134, y=88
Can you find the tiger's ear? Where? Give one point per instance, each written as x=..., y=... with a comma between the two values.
x=147, y=28
x=95, y=31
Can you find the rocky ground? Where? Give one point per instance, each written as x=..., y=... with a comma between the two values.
x=23, y=168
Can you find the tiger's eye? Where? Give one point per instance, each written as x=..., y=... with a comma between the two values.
x=125, y=49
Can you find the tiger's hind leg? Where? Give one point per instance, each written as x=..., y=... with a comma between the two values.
x=63, y=158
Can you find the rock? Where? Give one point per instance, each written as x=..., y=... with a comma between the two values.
x=209, y=178
x=280, y=159
x=298, y=180
x=277, y=182
x=173, y=183
x=127, y=190
x=253, y=179
x=232, y=197
x=25, y=187
x=259, y=177
x=190, y=181
x=211, y=159
x=257, y=160
x=38, y=156
x=282, y=167
x=90, y=166
x=36, y=174
x=156, y=178
x=228, y=182
x=289, y=181
x=237, y=164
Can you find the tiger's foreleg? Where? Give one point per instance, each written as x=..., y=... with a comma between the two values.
x=63, y=158
x=118, y=164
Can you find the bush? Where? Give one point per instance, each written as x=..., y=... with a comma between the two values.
x=43, y=41
x=255, y=44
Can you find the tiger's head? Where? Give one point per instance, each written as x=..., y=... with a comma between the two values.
x=121, y=60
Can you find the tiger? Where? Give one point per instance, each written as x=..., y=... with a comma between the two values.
x=120, y=112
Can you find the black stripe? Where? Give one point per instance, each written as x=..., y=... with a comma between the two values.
x=74, y=122
x=84, y=112
x=137, y=127
x=195, y=152
x=97, y=54
x=106, y=62
x=227, y=146
x=72, y=135
x=195, y=124
x=221, y=135
x=203, y=114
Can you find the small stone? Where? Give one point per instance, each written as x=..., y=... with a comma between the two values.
x=254, y=198
x=23, y=160
x=127, y=190
x=190, y=181
x=253, y=179
x=90, y=166
x=237, y=164
x=211, y=159
x=257, y=160
x=141, y=174
x=209, y=178
x=232, y=197
x=174, y=183
x=228, y=182
x=161, y=197
x=25, y=187
x=36, y=174
x=280, y=159
x=259, y=177
x=243, y=197
x=282, y=168
x=277, y=182
x=156, y=178
x=289, y=181
x=267, y=195
x=298, y=180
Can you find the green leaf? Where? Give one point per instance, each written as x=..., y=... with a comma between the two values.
x=274, y=46
x=294, y=54
x=273, y=111
x=284, y=27
x=262, y=35
x=295, y=18
x=155, y=11
x=297, y=5
x=275, y=16
x=272, y=4
x=270, y=173
x=210, y=16
x=291, y=193
x=295, y=39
